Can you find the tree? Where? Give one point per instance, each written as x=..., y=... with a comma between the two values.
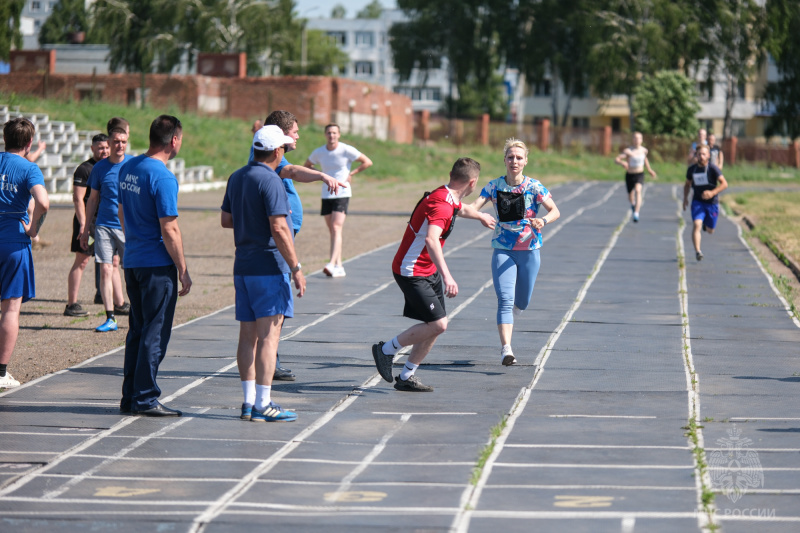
x=666, y=104
x=464, y=32
x=68, y=17
x=735, y=47
x=637, y=38
x=782, y=42
x=373, y=10
x=10, y=35
x=338, y=12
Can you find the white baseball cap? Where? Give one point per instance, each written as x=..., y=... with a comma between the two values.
x=269, y=138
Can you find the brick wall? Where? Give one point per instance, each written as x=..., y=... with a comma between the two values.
x=33, y=61
x=375, y=111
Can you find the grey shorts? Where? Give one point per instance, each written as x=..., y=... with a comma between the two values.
x=107, y=242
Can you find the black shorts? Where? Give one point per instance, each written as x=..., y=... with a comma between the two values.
x=329, y=205
x=76, y=239
x=632, y=179
x=424, y=297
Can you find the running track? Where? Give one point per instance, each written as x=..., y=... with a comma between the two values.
x=626, y=343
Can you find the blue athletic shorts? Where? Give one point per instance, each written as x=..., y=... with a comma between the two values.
x=16, y=271
x=260, y=296
x=706, y=212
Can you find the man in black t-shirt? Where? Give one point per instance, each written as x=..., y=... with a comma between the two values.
x=80, y=195
x=707, y=181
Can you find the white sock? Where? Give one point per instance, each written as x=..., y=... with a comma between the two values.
x=636, y=213
x=506, y=350
x=262, y=397
x=249, y=390
x=391, y=347
x=408, y=370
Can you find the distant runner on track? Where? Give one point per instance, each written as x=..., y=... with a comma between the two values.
x=634, y=160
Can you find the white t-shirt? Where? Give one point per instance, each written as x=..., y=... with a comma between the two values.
x=335, y=163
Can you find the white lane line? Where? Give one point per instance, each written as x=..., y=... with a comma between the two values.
x=609, y=466
x=628, y=524
x=593, y=487
x=347, y=481
x=756, y=418
x=159, y=480
x=421, y=414
x=577, y=191
x=583, y=209
x=170, y=459
x=471, y=496
x=601, y=446
x=585, y=515
x=121, y=453
x=692, y=379
x=786, y=305
x=382, y=463
x=224, y=501
x=599, y=416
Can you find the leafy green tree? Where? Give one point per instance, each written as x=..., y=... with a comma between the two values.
x=67, y=17
x=464, y=33
x=637, y=38
x=735, y=46
x=783, y=42
x=10, y=35
x=373, y=10
x=338, y=12
x=666, y=104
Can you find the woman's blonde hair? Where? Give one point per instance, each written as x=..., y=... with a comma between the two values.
x=514, y=143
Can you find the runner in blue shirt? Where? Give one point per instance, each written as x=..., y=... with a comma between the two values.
x=154, y=262
x=19, y=181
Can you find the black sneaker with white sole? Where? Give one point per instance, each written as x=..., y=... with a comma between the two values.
x=383, y=362
x=412, y=384
x=699, y=256
x=509, y=360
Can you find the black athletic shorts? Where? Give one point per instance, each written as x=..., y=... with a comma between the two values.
x=76, y=239
x=632, y=179
x=424, y=297
x=329, y=205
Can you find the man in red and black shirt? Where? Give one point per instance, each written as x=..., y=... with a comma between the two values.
x=422, y=274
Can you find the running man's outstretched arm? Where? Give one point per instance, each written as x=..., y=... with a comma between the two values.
x=468, y=211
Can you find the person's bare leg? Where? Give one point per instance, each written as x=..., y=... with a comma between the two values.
x=116, y=284
x=75, y=276
x=420, y=333
x=335, y=226
x=637, y=190
x=245, y=352
x=697, y=235
x=9, y=327
x=268, y=331
x=106, y=289
x=505, y=331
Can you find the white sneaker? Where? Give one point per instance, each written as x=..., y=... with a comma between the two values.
x=329, y=269
x=507, y=356
x=338, y=272
x=8, y=382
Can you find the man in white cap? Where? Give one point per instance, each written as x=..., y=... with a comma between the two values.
x=265, y=264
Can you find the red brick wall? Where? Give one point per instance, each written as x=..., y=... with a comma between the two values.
x=33, y=61
x=311, y=98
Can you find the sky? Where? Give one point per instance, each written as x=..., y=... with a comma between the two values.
x=322, y=8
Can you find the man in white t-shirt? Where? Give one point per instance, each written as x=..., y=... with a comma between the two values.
x=336, y=159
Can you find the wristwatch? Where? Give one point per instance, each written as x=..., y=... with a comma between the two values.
x=296, y=269
x=544, y=222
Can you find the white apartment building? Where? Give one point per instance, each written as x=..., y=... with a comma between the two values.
x=366, y=42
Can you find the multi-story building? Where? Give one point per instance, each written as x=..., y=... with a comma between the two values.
x=366, y=42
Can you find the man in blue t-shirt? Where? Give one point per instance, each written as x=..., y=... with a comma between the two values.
x=154, y=262
x=287, y=122
x=19, y=181
x=707, y=181
x=256, y=206
x=109, y=239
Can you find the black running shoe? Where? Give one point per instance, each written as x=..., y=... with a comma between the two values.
x=383, y=362
x=412, y=384
x=699, y=256
x=124, y=309
x=283, y=374
x=75, y=310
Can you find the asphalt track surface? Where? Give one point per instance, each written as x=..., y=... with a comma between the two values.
x=625, y=343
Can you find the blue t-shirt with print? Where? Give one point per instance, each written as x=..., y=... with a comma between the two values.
x=17, y=178
x=147, y=192
x=294, y=199
x=105, y=180
x=253, y=194
x=517, y=234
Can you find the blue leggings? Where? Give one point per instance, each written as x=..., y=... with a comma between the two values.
x=514, y=274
